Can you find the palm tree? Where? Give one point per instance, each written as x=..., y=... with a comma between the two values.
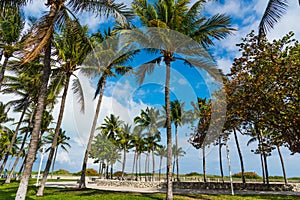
x=5, y=130
x=149, y=121
x=179, y=117
x=139, y=143
x=40, y=39
x=161, y=151
x=72, y=47
x=124, y=140
x=11, y=26
x=109, y=67
x=273, y=12
x=62, y=141
x=178, y=16
x=23, y=85
x=25, y=131
x=177, y=152
x=220, y=143
x=202, y=137
x=111, y=127
x=240, y=155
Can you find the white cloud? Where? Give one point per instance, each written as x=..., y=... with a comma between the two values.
x=224, y=64
x=182, y=81
x=36, y=8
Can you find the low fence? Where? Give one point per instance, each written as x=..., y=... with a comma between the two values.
x=200, y=185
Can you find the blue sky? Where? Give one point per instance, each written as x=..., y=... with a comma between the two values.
x=125, y=98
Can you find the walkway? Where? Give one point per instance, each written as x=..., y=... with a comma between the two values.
x=73, y=184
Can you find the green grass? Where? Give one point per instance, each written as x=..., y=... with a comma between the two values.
x=7, y=192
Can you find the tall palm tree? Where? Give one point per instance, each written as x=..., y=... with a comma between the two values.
x=178, y=16
x=124, y=140
x=23, y=85
x=150, y=122
x=40, y=39
x=161, y=151
x=179, y=117
x=72, y=48
x=11, y=26
x=273, y=12
x=201, y=137
x=5, y=130
x=111, y=127
x=109, y=67
x=177, y=152
x=24, y=130
x=139, y=143
x=62, y=141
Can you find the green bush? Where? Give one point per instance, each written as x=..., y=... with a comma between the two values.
x=89, y=172
x=249, y=175
x=119, y=174
x=276, y=177
x=193, y=174
x=62, y=172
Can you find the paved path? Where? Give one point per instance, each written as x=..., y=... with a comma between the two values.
x=73, y=184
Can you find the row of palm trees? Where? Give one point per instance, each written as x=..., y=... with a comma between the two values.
x=116, y=136
x=34, y=52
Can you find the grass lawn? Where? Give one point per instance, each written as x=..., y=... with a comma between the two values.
x=7, y=192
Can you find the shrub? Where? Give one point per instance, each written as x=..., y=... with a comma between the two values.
x=249, y=175
x=89, y=172
x=276, y=177
x=62, y=172
x=193, y=174
x=119, y=174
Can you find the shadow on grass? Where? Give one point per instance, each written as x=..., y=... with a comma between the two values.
x=114, y=194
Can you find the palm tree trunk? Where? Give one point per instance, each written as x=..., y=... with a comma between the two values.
x=22, y=189
x=8, y=178
x=53, y=163
x=124, y=161
x=264, y=157
x=160, y=163
x=99, y=170
x=153, y=164
x=146, y=164
x=102, y=165
x=13, y=139
x=140, y=168
x=266, y=168
x=220, y=158
x=229, y=166
x=40, y=191
x=204, y=163
x=106, y=173
x=282, y=164
x=3, y=69
x=240, y=156
x=22, y=166
x=169, y=195
x=111, y=171
x=89, y=145
x=133, y=164
x=176, y=155
x=262, y=167
x=136, y=165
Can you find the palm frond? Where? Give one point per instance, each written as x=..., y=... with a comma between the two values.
x=254, y=139
x=91, y=71
x=147, y=68
x=78, y=91
x=274, y=11
x=218, y=27
x=108, y=8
